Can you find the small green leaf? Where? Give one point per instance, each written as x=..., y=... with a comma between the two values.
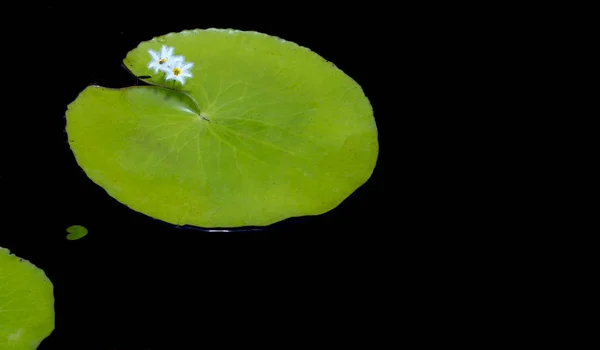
x=76, y=232
x=26, y=303
x=263, y=131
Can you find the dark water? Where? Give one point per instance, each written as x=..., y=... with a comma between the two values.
x=137, y=283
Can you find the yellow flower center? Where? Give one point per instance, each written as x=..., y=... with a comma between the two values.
x=162, y=60
x=176, y=71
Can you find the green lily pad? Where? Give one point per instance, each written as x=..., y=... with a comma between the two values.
x=26, y=303
x=264, y=130
x=76, y=232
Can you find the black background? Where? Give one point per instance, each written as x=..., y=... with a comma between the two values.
x=137, y=283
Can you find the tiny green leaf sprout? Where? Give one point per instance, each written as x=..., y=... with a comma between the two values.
x=174, y=67
x=76, y=232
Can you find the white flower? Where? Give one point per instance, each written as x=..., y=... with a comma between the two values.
x=162, y=59
x=179, y=70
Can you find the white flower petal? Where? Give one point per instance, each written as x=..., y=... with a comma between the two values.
x=154, y=65
x=171, y=75
x=187, y=66
x=175, y=59
x=163, y=51
x=169, y=52
x=180, y=79
x=172, y=63
x=154, y=55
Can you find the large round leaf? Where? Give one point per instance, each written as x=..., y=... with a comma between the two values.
x=26, y=304
x=266, y=130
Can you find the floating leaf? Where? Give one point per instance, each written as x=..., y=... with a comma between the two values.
x=263, y=131
x=26, y=304
x=76, y=232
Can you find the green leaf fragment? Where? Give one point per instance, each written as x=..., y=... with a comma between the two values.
x=288, y=133
x=26, y=303
x=76, y=232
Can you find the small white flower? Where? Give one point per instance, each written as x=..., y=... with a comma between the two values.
x=179, y=71
x=162, y=59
